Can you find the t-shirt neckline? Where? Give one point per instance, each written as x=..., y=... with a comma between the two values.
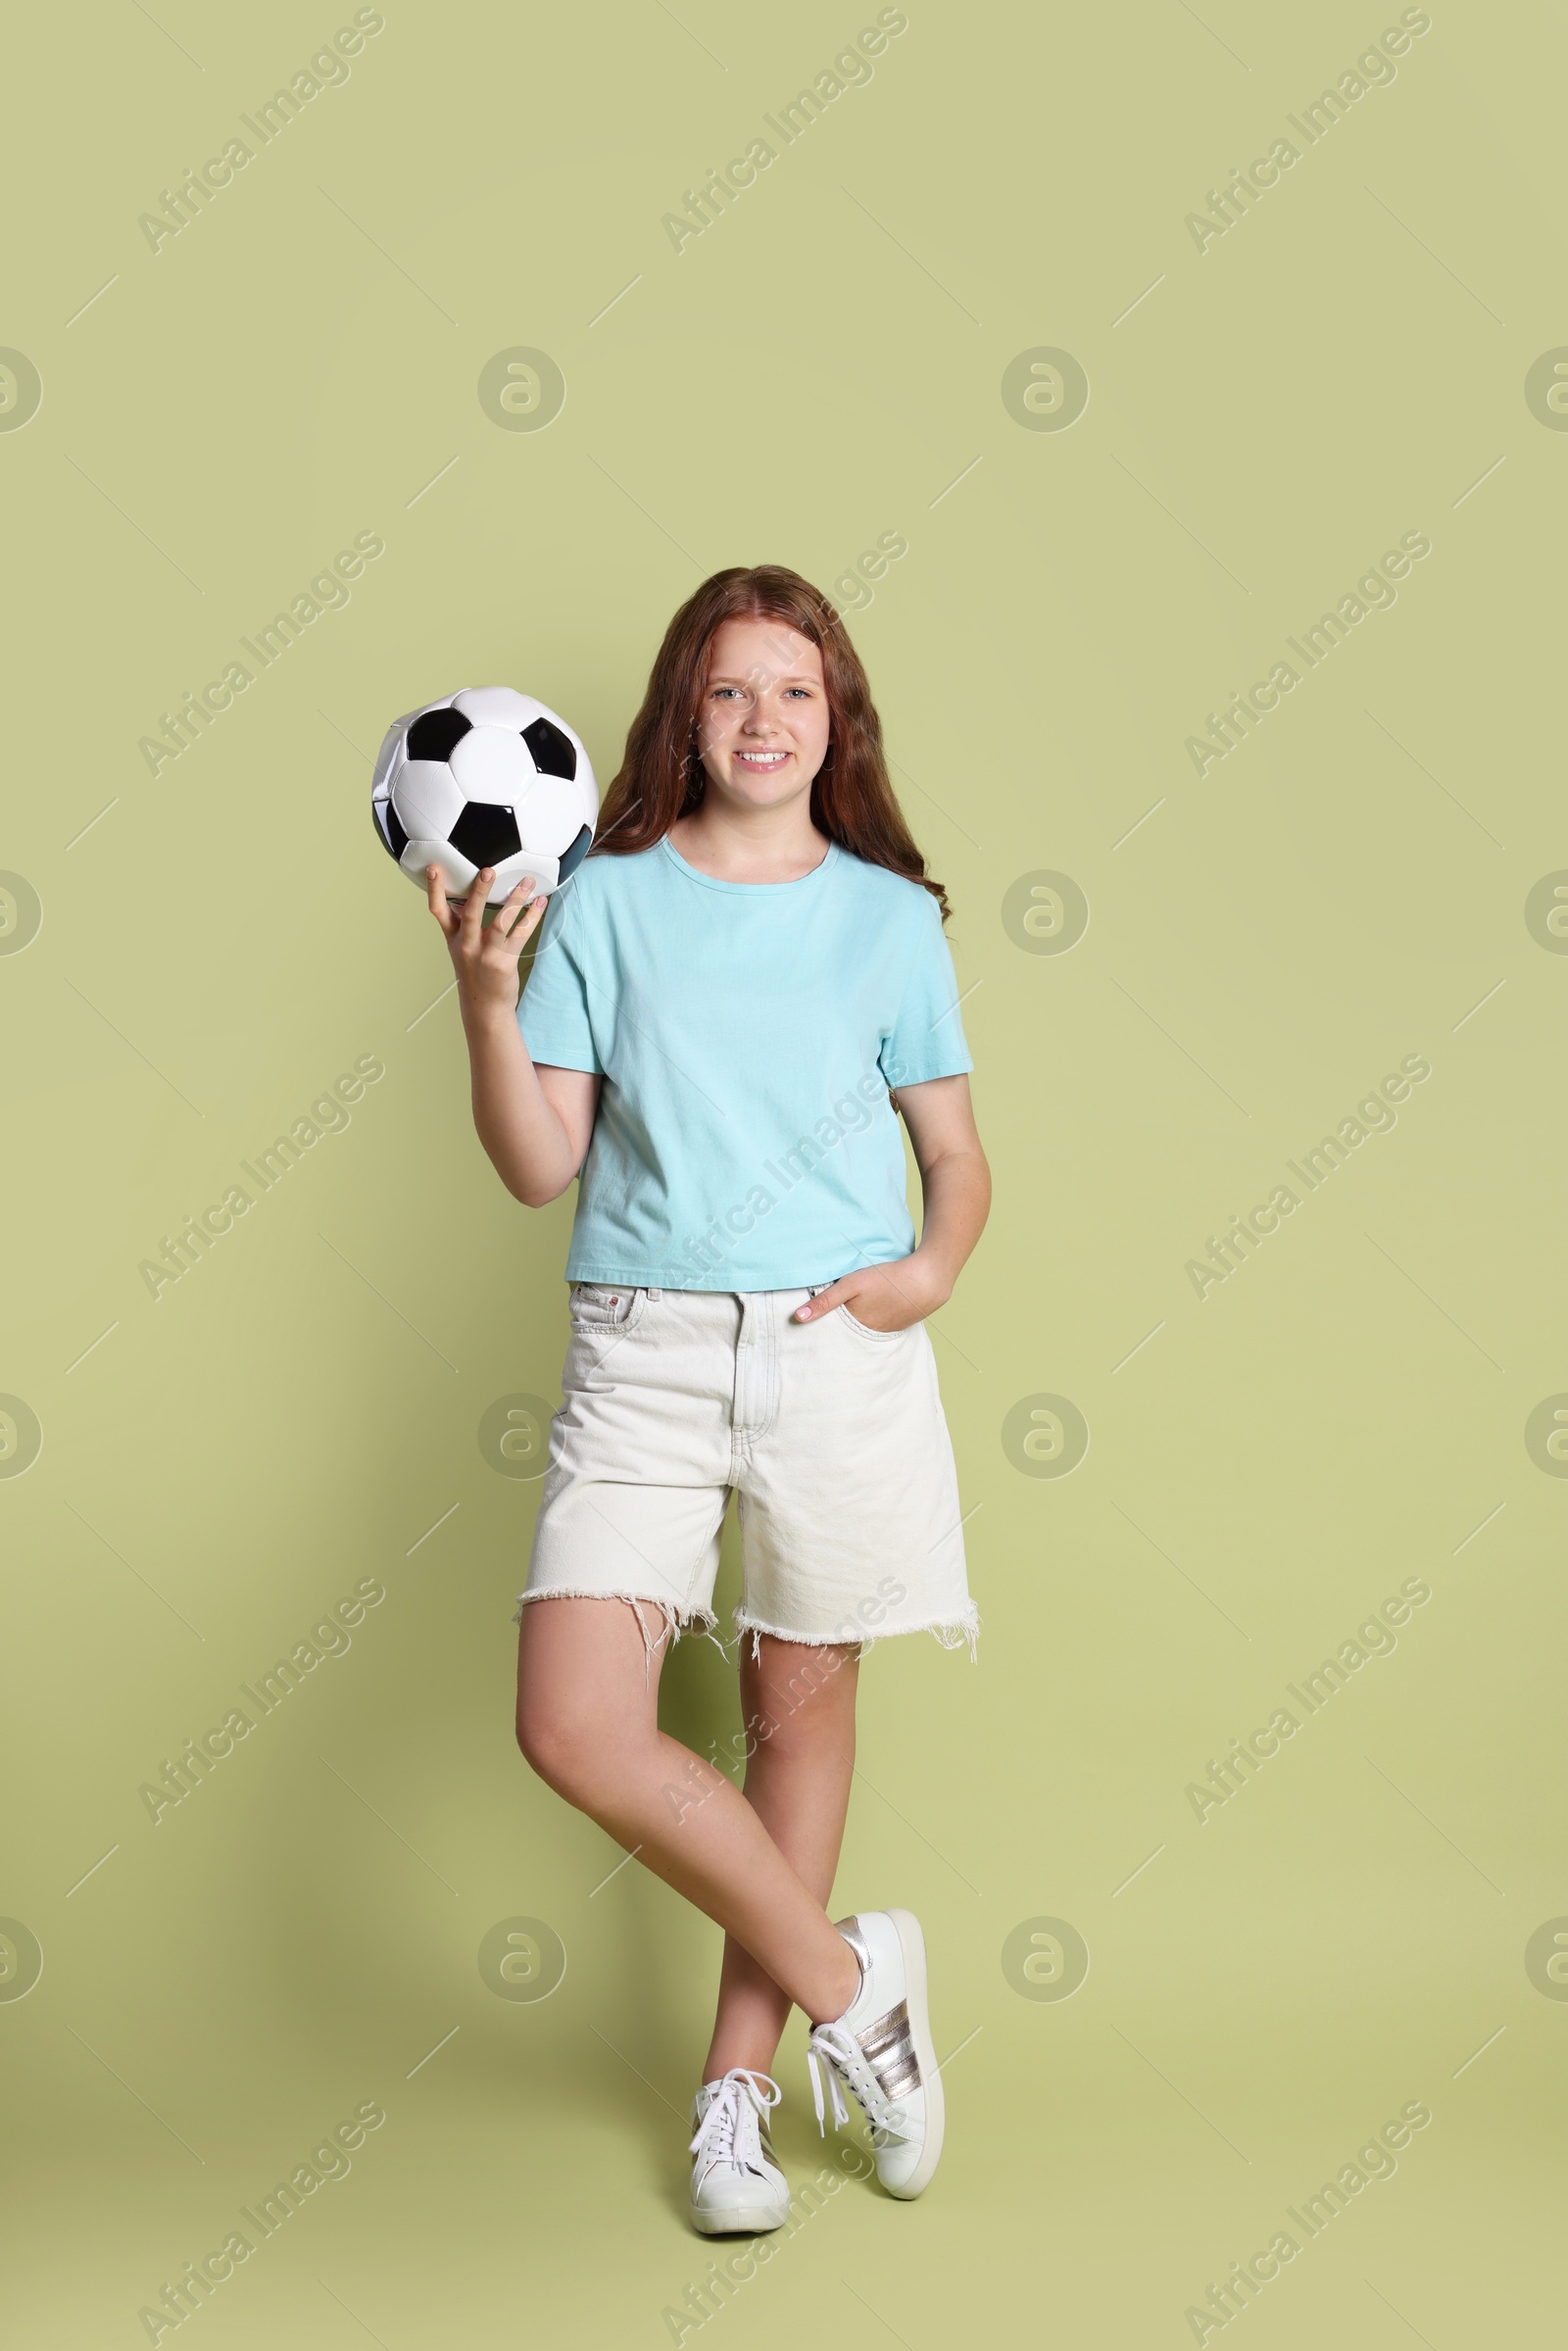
x=712, y=881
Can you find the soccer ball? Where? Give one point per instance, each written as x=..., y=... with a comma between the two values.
x=484, y=777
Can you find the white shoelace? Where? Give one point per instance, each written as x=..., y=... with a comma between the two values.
x=835, y=2051
x=829, y=2049
x=729, y=2132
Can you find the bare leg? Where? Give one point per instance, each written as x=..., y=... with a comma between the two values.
x=587, y=1722
x=798, y=1707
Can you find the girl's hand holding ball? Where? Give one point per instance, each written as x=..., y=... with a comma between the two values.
x=484, y=956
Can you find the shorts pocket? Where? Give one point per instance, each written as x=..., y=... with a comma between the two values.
x=881, y=1338
x=606, y=1305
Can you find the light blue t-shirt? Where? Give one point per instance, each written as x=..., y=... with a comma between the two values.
x=747, y=1034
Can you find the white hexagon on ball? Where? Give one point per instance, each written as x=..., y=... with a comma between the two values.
x=496, y=705
x=456, y=871
x=551, y=814
x=427, y=798
x=492, y=763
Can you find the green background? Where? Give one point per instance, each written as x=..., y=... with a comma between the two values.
x=1266, y=1988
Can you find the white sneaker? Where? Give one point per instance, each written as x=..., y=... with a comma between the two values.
x=736, y=2184
x=881, y=2049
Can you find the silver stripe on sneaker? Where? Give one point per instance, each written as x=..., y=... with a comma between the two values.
x=887, y=2029
x=897, y=2086
x=889, y=2048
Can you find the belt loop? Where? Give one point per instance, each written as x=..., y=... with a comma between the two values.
x=656, y=1294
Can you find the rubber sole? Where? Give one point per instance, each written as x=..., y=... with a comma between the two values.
x=747, y=2220
x=911, y=1942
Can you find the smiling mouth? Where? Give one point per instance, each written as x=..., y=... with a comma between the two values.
x=761, y=759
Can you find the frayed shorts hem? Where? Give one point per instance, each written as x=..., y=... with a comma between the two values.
x=679, y=1620
x=949, y=1633
x=673, y=1621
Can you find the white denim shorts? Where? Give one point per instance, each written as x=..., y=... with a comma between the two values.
x=831, y=1435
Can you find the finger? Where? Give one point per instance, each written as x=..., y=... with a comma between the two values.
x=474, y=902
x=532, y=918
x=823, y=1302
x=435, y=882
x=523, y=930
x=510, y=912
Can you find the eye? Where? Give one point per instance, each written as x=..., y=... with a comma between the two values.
x=802, y=690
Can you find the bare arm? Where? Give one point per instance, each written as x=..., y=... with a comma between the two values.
x=535, y=1122
x=955, y=1182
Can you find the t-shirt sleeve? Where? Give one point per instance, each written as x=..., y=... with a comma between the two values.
x=927, y=1039
x=553, y=1013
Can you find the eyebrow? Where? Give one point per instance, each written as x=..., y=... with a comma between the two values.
x=778, y=677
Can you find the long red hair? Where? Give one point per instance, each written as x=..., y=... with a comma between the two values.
x=662, y=775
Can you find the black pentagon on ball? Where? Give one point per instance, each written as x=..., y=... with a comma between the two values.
x=486, y=834
x=435, y=734
x=553, y=753
x=389, y=827
x=572, y=857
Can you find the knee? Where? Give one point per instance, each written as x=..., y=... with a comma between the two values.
x=550, y=1742
x=572, y=1751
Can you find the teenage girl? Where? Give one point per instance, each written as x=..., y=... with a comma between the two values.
x=733, y=1001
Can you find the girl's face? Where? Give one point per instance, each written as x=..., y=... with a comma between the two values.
x=762, y=722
